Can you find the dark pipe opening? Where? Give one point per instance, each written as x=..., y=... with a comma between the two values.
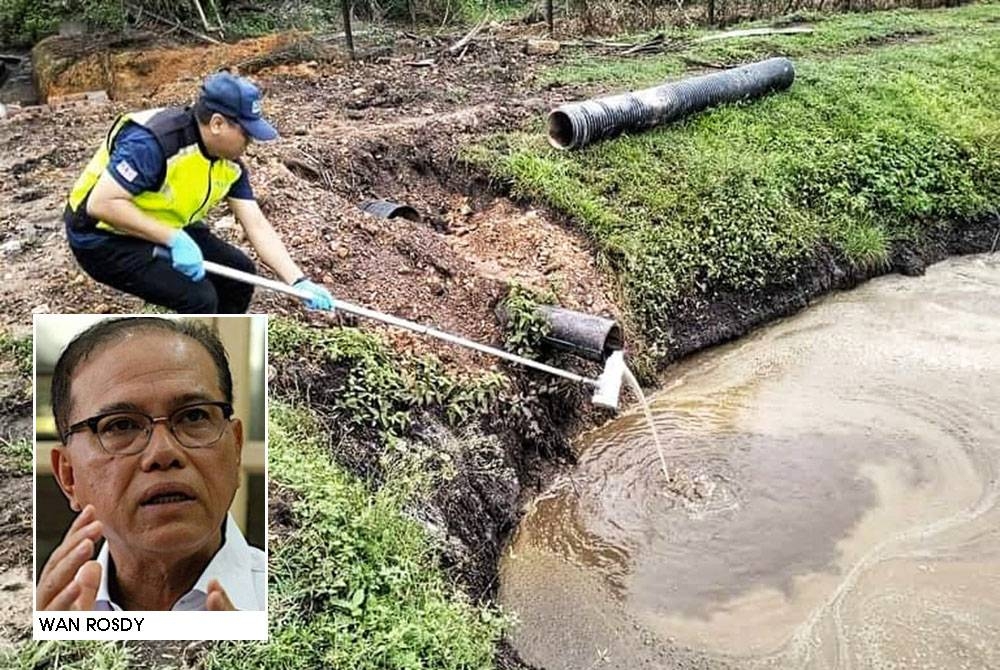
x=560, y=130
x=385, y=209
x=586, y=335
x=614, y=340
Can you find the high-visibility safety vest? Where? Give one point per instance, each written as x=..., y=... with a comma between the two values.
x=193, y=184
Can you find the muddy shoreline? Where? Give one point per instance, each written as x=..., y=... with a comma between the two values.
x=489, y=510
x=472, y=516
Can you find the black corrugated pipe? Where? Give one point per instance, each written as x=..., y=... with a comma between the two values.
x=586, y=335
x=385, y=209
x=577, y=124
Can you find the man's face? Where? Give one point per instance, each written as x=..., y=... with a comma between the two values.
x=154, y=372
x=226, y=138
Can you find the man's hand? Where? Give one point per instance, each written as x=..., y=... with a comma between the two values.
x=185, y=256
x=217, y=600
x=70, y=578
x=321, y=298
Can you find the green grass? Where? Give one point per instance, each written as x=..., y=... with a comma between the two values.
x=16, y=455
x=864, y=150
x=381, y=389
x=837, y=33
x=587, y=69
x=78, y=655
x=15, y=352
x=354, y=584
x=832, y=34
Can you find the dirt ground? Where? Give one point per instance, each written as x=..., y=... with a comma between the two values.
x=385, y=128
x=15, y=517
x=15, y=558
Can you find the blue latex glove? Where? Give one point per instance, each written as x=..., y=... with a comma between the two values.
x=186, y=256
x=321, y=298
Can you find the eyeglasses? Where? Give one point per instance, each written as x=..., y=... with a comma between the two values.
x=125, y=433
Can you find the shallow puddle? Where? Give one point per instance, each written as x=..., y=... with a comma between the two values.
x=846, y=462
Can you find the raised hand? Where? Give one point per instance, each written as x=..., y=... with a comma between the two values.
x=217, y=600
x=70, y=578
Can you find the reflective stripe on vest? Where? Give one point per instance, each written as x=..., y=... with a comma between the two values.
x=193, y=183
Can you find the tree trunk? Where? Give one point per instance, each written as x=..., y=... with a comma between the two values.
x=348, y=37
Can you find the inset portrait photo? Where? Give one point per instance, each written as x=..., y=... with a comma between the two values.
x=150, y=478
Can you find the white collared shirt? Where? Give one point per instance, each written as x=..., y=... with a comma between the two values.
x=240, y=568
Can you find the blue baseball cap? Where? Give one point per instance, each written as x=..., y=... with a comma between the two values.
x=239, y=100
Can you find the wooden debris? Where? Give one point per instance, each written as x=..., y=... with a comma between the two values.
x=606, y=43
x=139, y=11
x=204, y=19
x=348, y=35
x=754, y=32
x=539, y=47
x=459, y=45
x=218, y=16
x=426, y=62
x=655, y=44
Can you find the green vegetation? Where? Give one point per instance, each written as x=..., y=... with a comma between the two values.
x=16, y=455
x=380, y=389
x=590, y=69
x=16, y=353
x=525, y=327
x=864, y=151
x=833, y=34
x=354, y=582
x=79, y=655
x=839, y=33
x=15, y=387
x=23, y=22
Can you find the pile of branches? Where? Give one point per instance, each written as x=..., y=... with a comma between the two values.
x=198, y=18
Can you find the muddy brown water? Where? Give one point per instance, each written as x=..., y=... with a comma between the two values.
x=847, y=460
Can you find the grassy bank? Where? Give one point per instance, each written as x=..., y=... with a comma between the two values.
x=354, y=582
x=379, y=391
x=868, y=149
